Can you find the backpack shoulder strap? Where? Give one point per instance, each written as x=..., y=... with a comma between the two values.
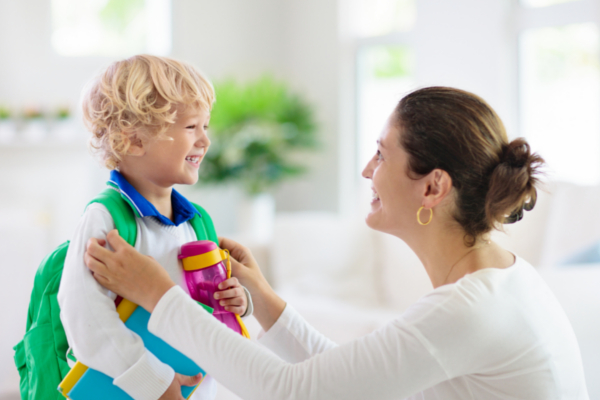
x=203, y=225
x=121, y=213
x=40, y=378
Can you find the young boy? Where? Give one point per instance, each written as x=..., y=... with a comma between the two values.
x=148, y=116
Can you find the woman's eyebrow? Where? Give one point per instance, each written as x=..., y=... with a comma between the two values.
x=380, y=143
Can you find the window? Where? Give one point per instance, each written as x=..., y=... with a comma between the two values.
x=560, y=95
x=559, y=87
x=113, y=28
x=385, y=65
x=543, y=3
x=383, y=17
x=386, y=73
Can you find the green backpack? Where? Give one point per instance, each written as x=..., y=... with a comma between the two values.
x=41, y=356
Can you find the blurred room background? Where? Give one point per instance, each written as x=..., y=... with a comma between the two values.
x=347, y=63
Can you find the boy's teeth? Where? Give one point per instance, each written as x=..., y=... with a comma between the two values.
x=192, y=159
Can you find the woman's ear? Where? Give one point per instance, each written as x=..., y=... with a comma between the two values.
x=438, y=185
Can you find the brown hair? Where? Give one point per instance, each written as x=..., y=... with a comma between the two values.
x=137, y=99
x=458, y=132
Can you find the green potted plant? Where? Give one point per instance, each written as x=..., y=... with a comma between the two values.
x=254, y=129
x=35, y=128
x=257, y=129
x=7, y=125
x=62, y=124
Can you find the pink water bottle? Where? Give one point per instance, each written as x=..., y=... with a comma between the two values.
x=205, y=266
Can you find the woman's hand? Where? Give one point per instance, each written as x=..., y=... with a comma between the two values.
x=267, y=305
x=138, y=278
x=173, y=392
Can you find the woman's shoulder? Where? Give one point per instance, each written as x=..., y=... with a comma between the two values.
x=484, y=295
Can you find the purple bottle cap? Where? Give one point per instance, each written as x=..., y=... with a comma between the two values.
x=195, y=248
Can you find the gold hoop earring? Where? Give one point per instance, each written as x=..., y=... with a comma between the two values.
x=419, y=216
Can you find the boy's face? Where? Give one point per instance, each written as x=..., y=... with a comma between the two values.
x=169, y=162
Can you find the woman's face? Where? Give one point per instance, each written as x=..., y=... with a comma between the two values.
x=396, y=197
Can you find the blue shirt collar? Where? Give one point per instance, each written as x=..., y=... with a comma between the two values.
x=183, y=210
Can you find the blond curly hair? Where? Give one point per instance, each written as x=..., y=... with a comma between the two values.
x=136, y=100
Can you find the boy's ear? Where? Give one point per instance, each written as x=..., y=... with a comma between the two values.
x=136, y=147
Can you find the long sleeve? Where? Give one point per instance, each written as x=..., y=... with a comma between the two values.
x=293, y=339
x=372, y=367
x=98, y=337
x=496, y=334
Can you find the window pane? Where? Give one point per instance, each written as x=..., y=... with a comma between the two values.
x=381, y=17
x=560, y=99
x=111, y=27
x=542, y=3
x=385, y=74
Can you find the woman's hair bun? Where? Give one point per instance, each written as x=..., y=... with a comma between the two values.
x=513, y=181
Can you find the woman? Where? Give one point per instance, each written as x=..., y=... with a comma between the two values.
x=443, y=177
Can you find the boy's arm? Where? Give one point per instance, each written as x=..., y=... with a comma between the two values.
x=98, y=337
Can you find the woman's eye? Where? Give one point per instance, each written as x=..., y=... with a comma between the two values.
x=379, y=156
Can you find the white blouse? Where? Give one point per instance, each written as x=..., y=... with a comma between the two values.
x=494, y=334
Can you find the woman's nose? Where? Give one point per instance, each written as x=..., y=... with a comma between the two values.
x=368, y=170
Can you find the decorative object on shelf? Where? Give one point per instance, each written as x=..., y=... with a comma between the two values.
x=8, y=127
x=63, y=127
x=257, y=129
x=35, y=129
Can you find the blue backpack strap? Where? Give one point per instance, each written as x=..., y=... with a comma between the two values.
x=203, y=225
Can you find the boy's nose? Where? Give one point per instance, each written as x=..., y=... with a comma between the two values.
x=203, y=140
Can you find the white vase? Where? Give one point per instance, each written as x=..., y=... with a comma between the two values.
x=35, y=131
x=63, y=130
x=256, y=217
x=8, y=131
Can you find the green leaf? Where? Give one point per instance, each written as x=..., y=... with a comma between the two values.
x=254, y=128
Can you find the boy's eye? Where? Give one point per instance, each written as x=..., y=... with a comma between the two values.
x=205, y=127
x=191, y=127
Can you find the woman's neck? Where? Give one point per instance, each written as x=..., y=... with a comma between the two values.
x=447, y=258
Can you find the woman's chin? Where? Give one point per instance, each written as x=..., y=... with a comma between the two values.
x=372, y=220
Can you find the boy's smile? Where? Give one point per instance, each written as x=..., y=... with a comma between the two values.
x=174, y=159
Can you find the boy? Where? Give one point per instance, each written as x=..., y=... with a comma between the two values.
x=148, y=116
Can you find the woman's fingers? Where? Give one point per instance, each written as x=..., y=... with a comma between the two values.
x=93, y=264
x=236, y=250
x=97, y=250
x=116, y=241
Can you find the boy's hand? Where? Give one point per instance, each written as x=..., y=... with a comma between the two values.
x=232, y=296
x=173, y=392
x=268, y=306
